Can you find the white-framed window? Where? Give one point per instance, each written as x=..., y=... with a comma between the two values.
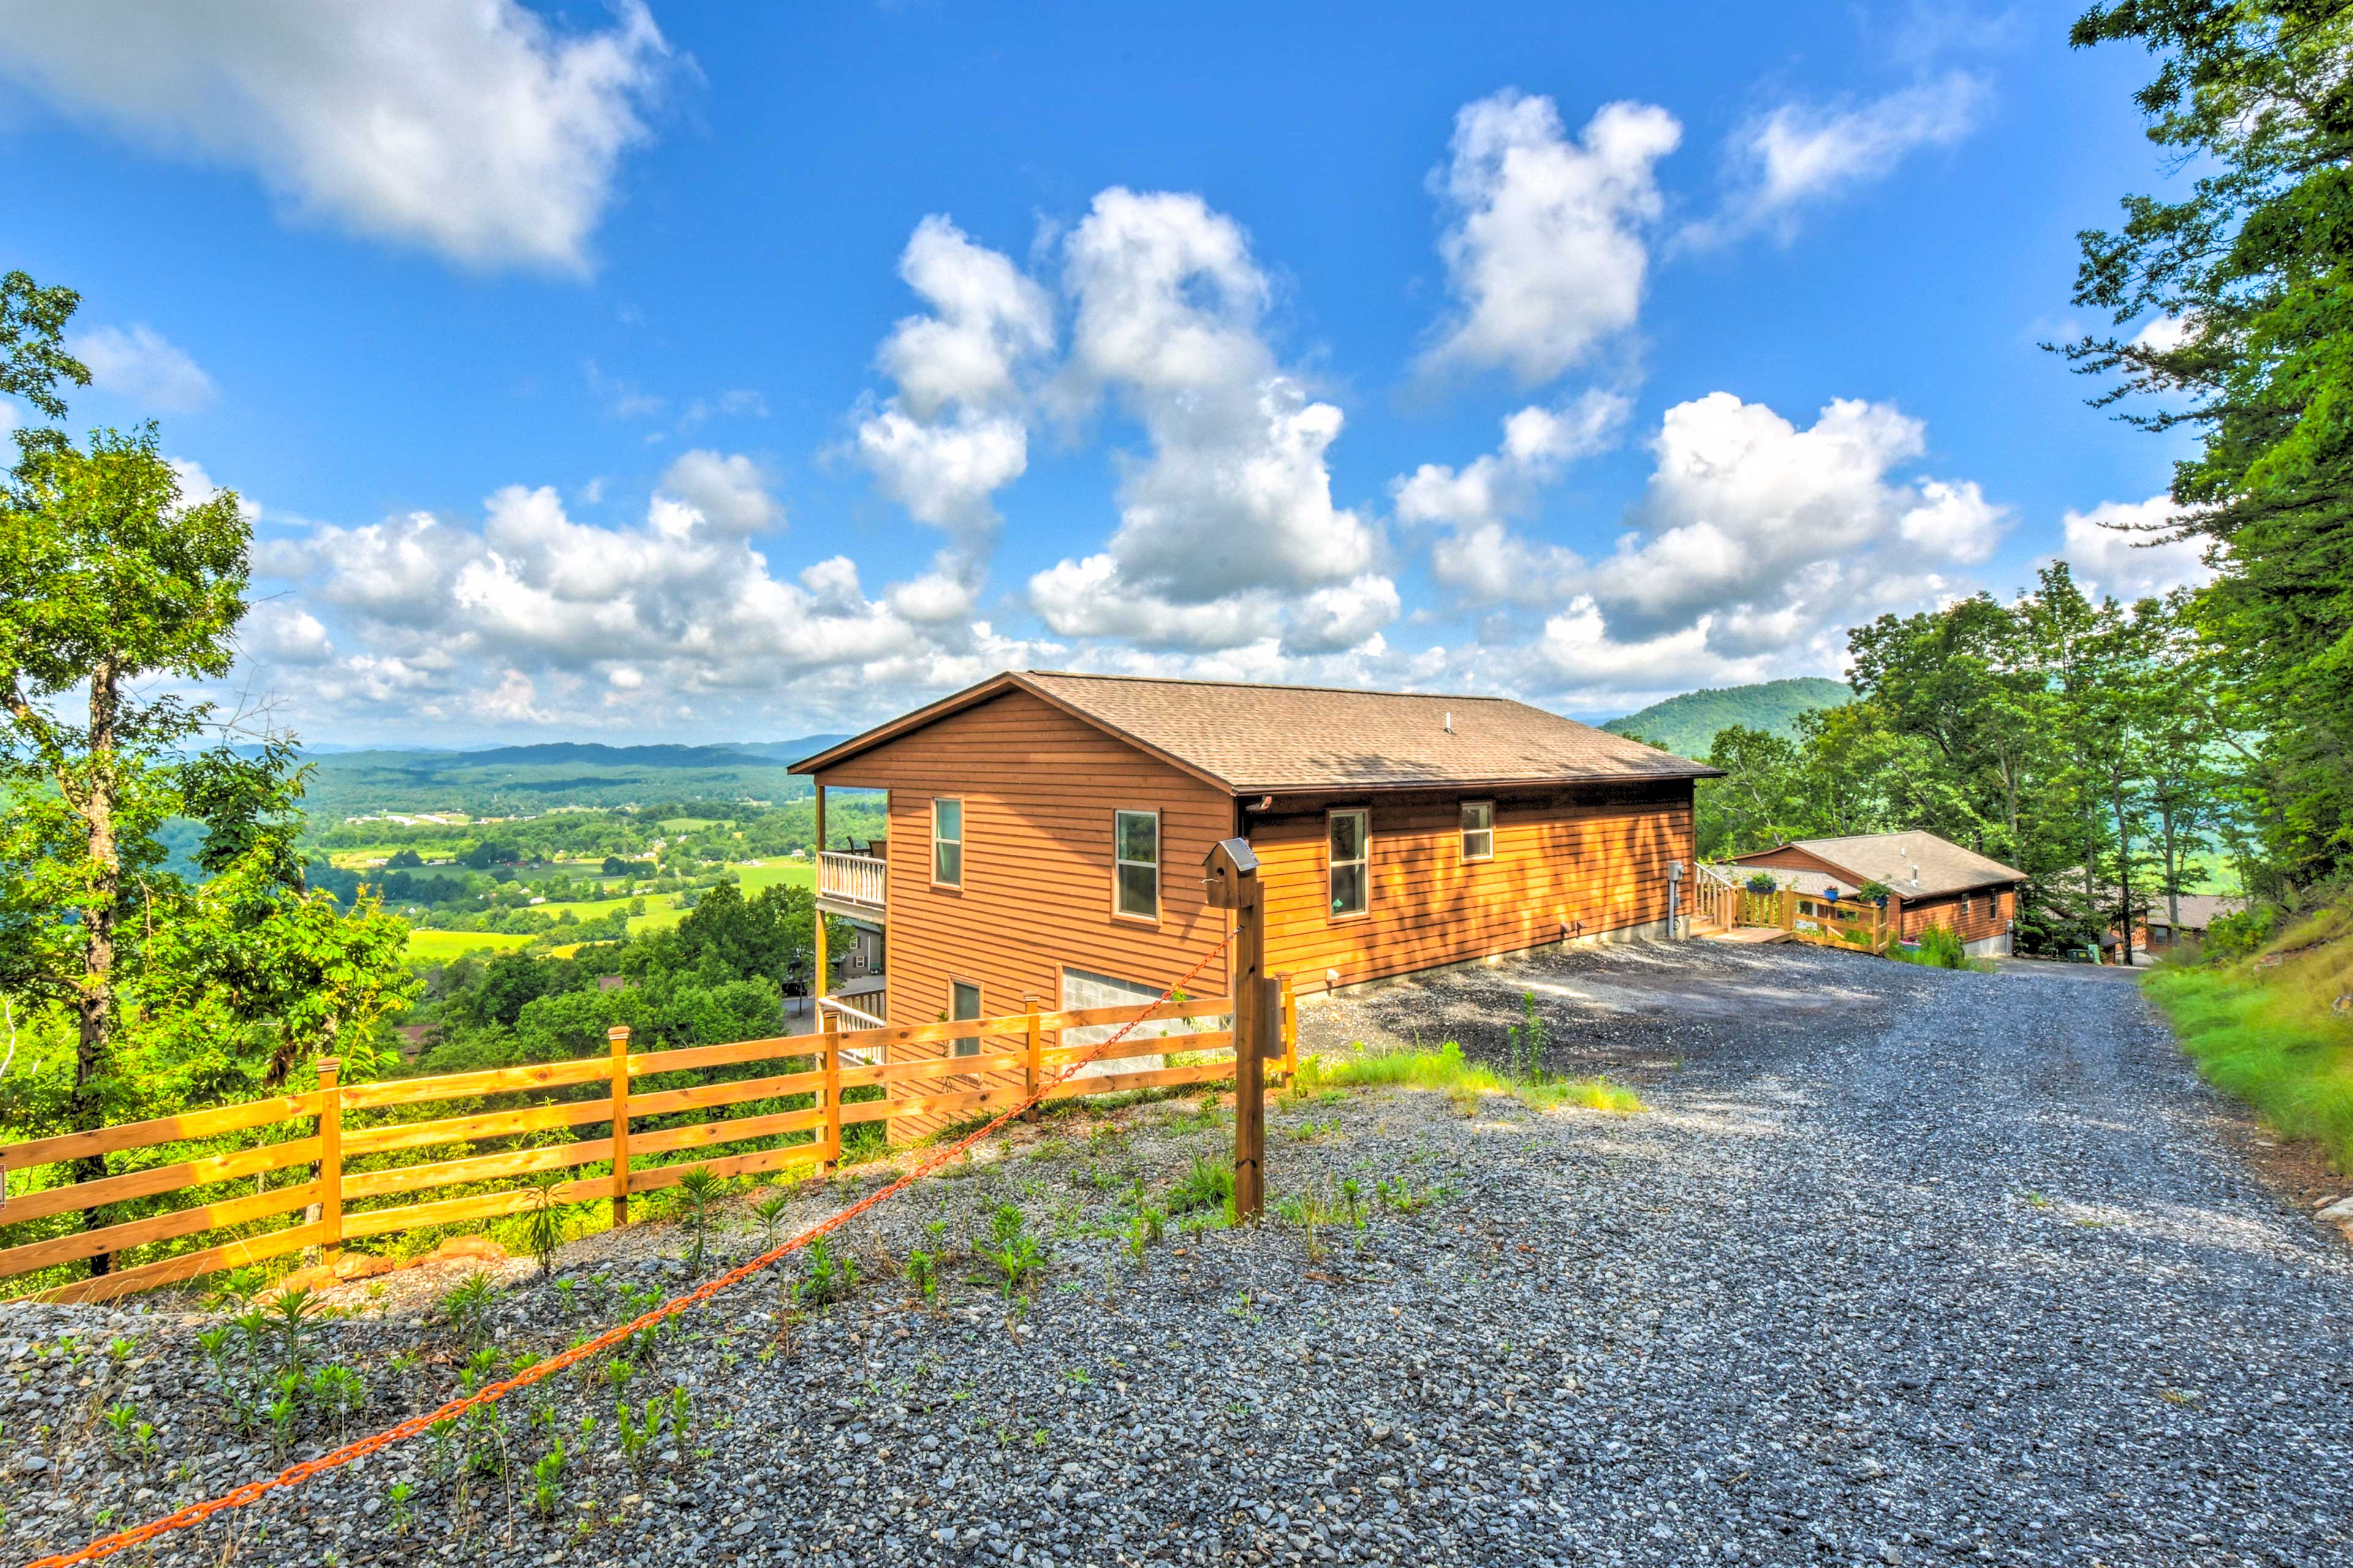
x=1349, y=871
x=964, y=1002
x=1478, y=830
x=947, y=844
x=1136, y=870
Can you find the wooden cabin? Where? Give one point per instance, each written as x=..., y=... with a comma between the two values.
x=1047, y=833
x=1930, y=882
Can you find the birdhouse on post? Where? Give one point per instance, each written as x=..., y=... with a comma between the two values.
x=1232, y=884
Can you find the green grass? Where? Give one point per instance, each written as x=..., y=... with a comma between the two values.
x=769, y=873
x=1447, y=1071
x=440, y=947
x=2268, y=1035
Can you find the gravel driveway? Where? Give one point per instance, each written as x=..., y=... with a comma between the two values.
x=1901, y=1265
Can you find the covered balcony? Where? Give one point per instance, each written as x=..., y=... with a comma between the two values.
x=851, y=884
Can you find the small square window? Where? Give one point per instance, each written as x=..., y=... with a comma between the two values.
x=1478, y=830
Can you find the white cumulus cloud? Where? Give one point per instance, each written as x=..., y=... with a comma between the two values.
x=1544, y=242
x=530, y=617
x=471, y=127
x=142, y=366
x=1801, y=153
x=956, y=430
x=2117, y=548
x=1227, y=519
x=1756, y=544
x=1479, y=555
x=730, y=491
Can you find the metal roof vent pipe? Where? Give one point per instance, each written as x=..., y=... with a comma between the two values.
x=1450, y=720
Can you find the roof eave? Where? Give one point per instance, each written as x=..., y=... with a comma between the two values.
x=1514, y=781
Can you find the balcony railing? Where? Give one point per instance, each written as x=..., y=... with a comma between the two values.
x=852, y=880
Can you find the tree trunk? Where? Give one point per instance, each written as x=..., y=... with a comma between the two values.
x=2124, y=873
x=2172, y=868
x=94, y=997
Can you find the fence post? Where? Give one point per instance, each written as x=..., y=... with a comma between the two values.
x=331, y=1161
x=830, y=1065
x=1233, y=884
x=1037, y=1067
x=1790, y=909
x=1290, y=1027
x=619, y=1035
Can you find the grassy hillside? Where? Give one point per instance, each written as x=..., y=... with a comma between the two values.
x=2267, y=1028
x=511, y=780
x=1686, y=725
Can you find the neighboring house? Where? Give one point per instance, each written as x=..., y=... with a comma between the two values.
x=2197, y=912
x=1047, y=834
x=2156, y=931
x=1930, y=882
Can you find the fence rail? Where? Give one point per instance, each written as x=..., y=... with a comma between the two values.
x=361, y=1154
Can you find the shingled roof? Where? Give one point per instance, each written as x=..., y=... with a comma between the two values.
x=1256, y=740
x=1914, y=865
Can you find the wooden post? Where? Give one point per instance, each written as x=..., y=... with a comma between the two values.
x=331, y=1162
x=618, y=1036
x=830, y=1065
x=1037, y=1066
x=1290, y=1028
x=1790, y=909
x=816, y=916
x=1233, y=885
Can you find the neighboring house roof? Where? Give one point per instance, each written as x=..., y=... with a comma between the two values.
x=1813, y=884
x=1913, y=864
x=2198, y=910
x=1255, y=739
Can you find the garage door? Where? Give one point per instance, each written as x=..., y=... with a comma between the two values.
x=1082, y=989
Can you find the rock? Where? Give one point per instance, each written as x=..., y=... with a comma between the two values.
x=351, y=1266
x=2339, y=1212
x=465, y=1249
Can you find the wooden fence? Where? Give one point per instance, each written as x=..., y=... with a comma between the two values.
x=352, y=1160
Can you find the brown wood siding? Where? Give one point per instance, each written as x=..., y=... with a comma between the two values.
x=1990, y=911
x=1039, y=788
x=1597, y=855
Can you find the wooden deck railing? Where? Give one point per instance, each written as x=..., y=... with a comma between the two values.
x=852, y=878
x=356, y=1158
x=1714, y=900
x=1846, y=922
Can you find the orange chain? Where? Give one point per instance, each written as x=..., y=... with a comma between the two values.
x=195, y=1513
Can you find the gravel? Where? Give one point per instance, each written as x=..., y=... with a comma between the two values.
x=1901, y=1265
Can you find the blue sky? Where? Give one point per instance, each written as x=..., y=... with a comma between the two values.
x=700, y=372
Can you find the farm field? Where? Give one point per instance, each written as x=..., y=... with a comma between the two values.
x=661, y=910
x=440, y=947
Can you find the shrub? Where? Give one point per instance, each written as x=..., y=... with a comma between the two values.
x=1762, y=882
x=1938, y=947
x=2237, y=936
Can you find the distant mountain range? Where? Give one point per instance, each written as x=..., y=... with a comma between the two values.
x=505, y=780
x=1686, y=725
x=510, y=780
